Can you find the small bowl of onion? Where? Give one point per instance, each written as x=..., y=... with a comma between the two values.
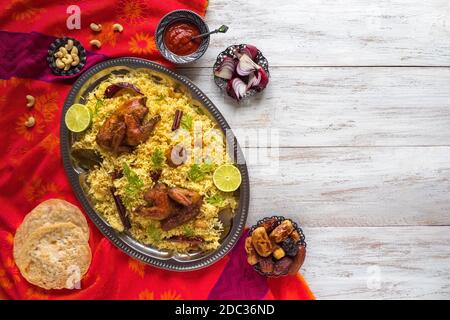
x=241, y=71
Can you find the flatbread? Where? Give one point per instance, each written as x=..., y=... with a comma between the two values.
x=54, y=256
x=48, y=213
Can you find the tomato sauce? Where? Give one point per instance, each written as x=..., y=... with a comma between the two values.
x=177, y=38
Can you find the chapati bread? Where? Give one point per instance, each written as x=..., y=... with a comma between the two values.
x=51, y=246
x=47, y=213
x=54, y=256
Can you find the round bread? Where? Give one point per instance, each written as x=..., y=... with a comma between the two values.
x=54, y=256
x=47, y=213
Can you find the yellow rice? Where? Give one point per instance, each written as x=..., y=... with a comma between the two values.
x=163, y=99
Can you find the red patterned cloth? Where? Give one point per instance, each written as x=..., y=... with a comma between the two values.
x=31, y=168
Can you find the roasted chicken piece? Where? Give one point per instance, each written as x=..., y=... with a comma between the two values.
x=184, y=197
x=172, y=206
x=160, y=207
x=180, y=216
x=112, y=134
x=124, y=129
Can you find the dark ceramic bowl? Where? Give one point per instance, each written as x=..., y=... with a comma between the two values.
x=54, y=47
x=278, y=219
x=179, y=16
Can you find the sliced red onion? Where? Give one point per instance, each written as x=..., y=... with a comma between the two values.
x=114, y=88
x=250, y=50
x=264, y=80
x=236, y=88
x=246, y=66
x=253, y=79
x=226, y=68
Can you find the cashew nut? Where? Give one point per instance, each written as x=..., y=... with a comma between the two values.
x=95, y=27
x=30, y=122
x=67, y=59
x=30, y=101
x=76, y=61
x=69, y=45
x=59, y=63
x=67, y=56
x=95, y=43
x=117, y=27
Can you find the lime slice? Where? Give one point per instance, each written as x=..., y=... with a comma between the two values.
x=227, y=178
x=78, y=118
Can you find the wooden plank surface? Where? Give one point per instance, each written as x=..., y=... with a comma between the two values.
x=379, y=263
x=359, y=150
x=338, y=187
x=342, y=106
x=335, y=32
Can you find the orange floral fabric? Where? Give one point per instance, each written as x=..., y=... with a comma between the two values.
x=31, y=169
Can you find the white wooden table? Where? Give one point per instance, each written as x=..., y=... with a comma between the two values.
x=360, y=97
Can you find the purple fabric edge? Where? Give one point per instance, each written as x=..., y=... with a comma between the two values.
x=24, y=55
x=238, y=280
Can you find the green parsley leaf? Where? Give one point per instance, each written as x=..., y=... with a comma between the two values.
x=188, y=232
x=186, y=122
x=158, y=159
x=198, y=172
x=160, y=97
x=134, y=185
x=154, y=233
x=98, y=105
x=216, y=199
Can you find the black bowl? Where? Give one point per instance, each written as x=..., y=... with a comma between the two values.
x=279, y=219
x=54, y=47
x=178, y=16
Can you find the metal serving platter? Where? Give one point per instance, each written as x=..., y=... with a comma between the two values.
x=123, y=240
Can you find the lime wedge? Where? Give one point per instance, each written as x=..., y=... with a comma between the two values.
x=227, y=178
x=78, y=118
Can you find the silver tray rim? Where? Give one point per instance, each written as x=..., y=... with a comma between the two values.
x=124, y=242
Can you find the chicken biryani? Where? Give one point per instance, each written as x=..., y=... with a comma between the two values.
x=157, y=152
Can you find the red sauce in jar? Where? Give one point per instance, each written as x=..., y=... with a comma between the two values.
x=177, y=38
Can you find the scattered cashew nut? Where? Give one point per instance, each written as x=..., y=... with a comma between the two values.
x=117, y=27
x=30, y=101
x=95, y=43
x=95, y=27
x=30, y=122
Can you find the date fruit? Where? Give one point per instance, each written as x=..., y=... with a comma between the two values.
x=252, y=256
x=266, y=265
x=261, y=242
x=269, y=224
x=282, y=266
x=281, y=232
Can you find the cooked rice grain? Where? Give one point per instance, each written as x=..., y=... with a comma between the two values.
x=162, y=99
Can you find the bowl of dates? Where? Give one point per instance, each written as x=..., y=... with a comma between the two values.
x=276, y=247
